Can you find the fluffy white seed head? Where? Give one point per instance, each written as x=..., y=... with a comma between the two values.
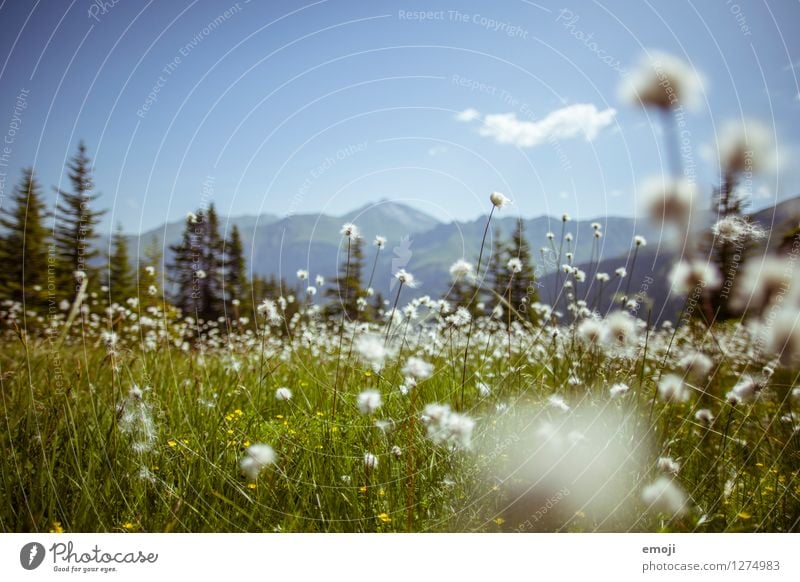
x=499, y=200
x=663, y=81
x=369, y=401
x=664, y=496
x=283, y=394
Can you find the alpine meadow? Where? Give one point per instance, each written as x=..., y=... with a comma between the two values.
x=630, y=368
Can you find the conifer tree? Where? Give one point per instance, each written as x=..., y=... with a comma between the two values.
x=119, y=278
x=23, y=248
x=75, y=224
x=197, y=267
x=464, y=293
x=235, y=269
x=213, y=249
x=184, y=266
x=497, y=274
x=523, y=284
x=346, y=289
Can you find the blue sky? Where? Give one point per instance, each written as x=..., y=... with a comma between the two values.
x=288, y=107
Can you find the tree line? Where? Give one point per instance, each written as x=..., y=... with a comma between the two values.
x=45, y=255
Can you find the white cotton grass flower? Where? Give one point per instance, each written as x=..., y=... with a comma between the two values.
x=152, y=290
x=618, y=390
x=746, y=146
x=446, y=427
x=557, y=402
x=302, y=274
x=584, y=460
x=417, y=368
x=687, y=276
x=150, y=270
x=671, y=388
x=514, y=265
x=484, y=390
x=761, y=282
x=602, y=277
x=200, y=274
x=369, y=401
x=79, y=275
x=372, y=350
x=669, y=200
x=590, y=331
x=350, y=231
x=270, y=310
x=639, y=241
x=499, y=200
x=136, y=421
x=396, y=451
x=460, y=318
x=733, y=229
x=620, y=329
x=406, y=278
x=380, y=241
x=370, y=462
x=257, y=457
x=311, y=291
x=704, y=417
x=462, y=269
x=621, y=272
x=283, y=394
x=664, y=496
x=697, y=365
x=668, y=465
x=663, y=81
x=550, y=236
x=743, y=392
x=783, y=335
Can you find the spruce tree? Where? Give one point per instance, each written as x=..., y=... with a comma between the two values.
x=197, y=267
x=213, y=249
x=75, y=224
x=464, y=293
x=23, y=248
x=496, y=282
x=182, y=270
x=119, y=278
x=235, y=273
x=728, y=254
x=346, y=288
x=523, y=285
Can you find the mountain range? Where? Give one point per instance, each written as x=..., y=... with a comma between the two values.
x=426, y=246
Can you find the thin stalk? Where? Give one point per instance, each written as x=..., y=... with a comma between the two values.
x=341, y=330
x=391, y=314
x=472, y=319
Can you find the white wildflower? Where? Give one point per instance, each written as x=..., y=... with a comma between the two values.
x=499, y=200
x=257, y=457
x=283, y=394
x=664, y=496
x=369, y=401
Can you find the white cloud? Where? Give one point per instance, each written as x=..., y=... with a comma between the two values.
x=468, y=115
x=567, y=122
